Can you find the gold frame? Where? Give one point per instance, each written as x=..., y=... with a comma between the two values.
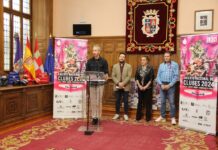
x=210, y=16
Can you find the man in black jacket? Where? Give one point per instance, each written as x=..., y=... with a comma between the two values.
x=97, y=64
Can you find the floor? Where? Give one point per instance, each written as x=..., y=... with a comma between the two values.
x=8, y=128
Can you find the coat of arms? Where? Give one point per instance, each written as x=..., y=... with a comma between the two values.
x=150, y=22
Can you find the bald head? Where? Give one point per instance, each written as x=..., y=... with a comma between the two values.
x=96, y=51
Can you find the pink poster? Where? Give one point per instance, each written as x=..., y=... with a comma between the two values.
x=69, y=86
x=198, y=82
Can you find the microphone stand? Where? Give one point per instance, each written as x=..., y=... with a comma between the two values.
x=88, y=132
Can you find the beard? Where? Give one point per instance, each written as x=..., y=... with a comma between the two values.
x=122, y=61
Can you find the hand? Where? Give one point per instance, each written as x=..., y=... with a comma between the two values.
x=140, y=87
x=163, y=87
x=121, y=84
x=144, y=88
x=106, y=77
x=167, y=87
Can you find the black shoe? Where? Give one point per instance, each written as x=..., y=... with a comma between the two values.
x=137, y=120
x=94, y=121
x=147, y=120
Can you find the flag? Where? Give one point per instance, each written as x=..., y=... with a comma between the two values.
x=18, y=59
x=28, y=61
x=49, y=62
x=39, y=68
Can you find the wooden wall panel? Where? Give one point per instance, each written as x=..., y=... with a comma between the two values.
x=12, y=104
x=42, y=24
x=47, y=99
x=24, y=102
x=33, y=101
x=111, y=47
x=109, y=95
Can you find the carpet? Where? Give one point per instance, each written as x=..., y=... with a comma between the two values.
x=116, y=135
x=151, y=26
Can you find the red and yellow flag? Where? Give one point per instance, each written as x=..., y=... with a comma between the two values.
x=28, y=61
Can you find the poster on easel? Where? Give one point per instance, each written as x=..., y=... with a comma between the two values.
x=198, y=82
x=69, y=87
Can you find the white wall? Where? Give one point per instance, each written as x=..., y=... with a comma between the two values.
x=108, y=17
x=186, y=14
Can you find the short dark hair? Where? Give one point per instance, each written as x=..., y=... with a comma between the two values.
x=146, y=57
x=122, y=53
x=167, y=52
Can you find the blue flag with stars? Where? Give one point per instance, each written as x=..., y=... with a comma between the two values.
x=49, y=62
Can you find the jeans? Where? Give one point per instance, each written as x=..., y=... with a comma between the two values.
x=170, y=94
x=144, y=103
x=119, y=95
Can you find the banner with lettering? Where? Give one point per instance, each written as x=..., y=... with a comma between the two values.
x=198, y=82
x=69, y=88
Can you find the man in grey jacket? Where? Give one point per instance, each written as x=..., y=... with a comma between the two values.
x=121, y=75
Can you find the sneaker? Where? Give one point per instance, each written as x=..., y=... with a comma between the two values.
x=160, y=119
x=173, y=121
x=126, y=118
x=116, y=116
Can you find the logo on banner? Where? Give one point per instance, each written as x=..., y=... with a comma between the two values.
x=150, y=23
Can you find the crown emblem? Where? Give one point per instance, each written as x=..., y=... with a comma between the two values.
x=151, y=12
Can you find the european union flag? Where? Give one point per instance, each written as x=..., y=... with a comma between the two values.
x=49, y=62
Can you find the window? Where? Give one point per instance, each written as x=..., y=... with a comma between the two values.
x=17, y=19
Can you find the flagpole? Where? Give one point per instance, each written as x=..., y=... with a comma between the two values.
x=16, y=35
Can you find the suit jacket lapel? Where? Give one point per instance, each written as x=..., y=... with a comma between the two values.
x=118, y=67
x=124, y=70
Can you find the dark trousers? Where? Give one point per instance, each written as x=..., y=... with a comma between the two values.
x=121, y=94
x=145, y=104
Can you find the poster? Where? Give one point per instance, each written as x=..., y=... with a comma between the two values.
x=69, y=85
x=198, y=82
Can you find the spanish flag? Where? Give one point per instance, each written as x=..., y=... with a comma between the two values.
x=28, y=61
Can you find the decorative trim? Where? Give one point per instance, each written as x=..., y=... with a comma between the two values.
x=151, y=26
